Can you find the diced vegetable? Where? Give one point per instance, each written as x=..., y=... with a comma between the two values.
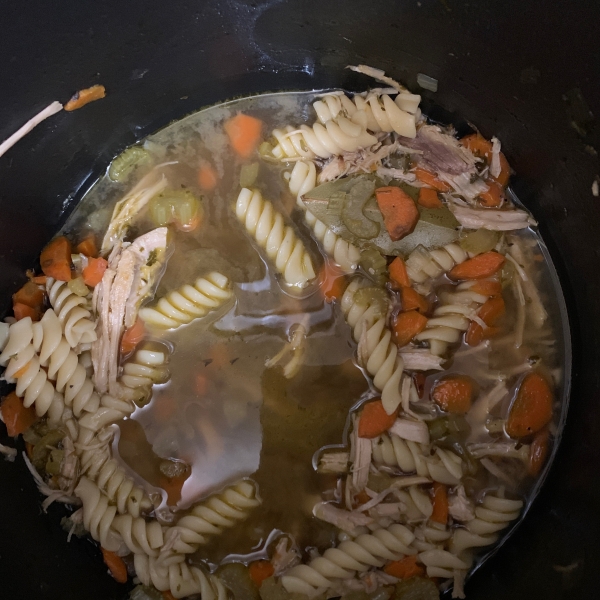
x=83, y=97
x=16, y=417
x=30, y=295
x=22, y=311
x=93, y=273
x=428, y=178
x=480, y=241
x=237, y=578
x=124, y=165
x=479, y=146
x=353, y=216
x=372, y=296
x=532, y=409
x=398, y=272
x=438, y=428
x=479, y=267
x=249, y=174
x=88, y=247
x=405, y=568
x=493, y=197
x=180, y=207
x=440, y=503
x=399, y=211
x=55, y=259
x=429, y=198
x=244, y=133
x=412, y=300
x=207, y=177
x=374, y=264
x=374, y=420
x=379, y=482
x=407, y=325
x=44, y=446
x=490, y=312
x=416, y=588
x=454, y=393
x=538, y=451
x=259, y=571
x=115, y=565
x=487, y=287
x=133, y=336
x=333, y=282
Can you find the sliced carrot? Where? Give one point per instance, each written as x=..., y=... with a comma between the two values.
x=474, y=335
x=244, y=133
x=407, y=325
x=429, y=178
x=412, y=300
x=167, y=595
x=492, y=310
x=56, y=259
x=83, y=97
x=440, y=503
x=400, y=214
x=428, y=198
x=487, y=287
x=538, y=451
x=21, y=311
x=88, y=247
x=374, y=420
x=93, y=273
x=405, y=568
x=39, y=279
x=173, y=486
x=419, y=380
x=532, y=409
x=133, y=336
x=16, y=417
x=30, y=294
x=493, y=197
x=478, y=267
x=479, y=146
x=398, y=273
x=333, y=282
x=207, y=176
x=260, y=570
x=454, y=394
x=361, y=498
x=115, y=565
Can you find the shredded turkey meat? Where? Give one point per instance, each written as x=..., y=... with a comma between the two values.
x=421, y=359
x=489, y=218
x=286, y=556
x=346, y=520
x=460, y=508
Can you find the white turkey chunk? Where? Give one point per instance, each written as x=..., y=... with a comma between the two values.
x=346, y=520
x=460, y=507
x=286, y=556
x=492, y=219
x=421, y=359
x=9, y=453
x=333, y=462
x=415, y=431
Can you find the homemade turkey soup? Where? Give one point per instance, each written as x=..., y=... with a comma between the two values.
x=298, y=345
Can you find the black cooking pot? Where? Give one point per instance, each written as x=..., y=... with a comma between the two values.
x=527, y=72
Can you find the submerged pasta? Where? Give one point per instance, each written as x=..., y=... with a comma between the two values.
x=315, y=404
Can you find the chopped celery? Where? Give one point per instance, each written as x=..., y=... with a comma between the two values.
x=78, y=287
x=176, y=206
x=374, y=264
x=373, y=296
x=124, y=164
x=249, y=174
x=411, y=190
x=379, y=482
x=479, y=241
x=438, y=428
x=416, y=588
x=237, y=578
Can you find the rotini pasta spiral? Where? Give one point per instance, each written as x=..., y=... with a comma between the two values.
x=141, y=372
x=376, y=112
x=279, y=241
x=376, y=351
x=178, y=577
x=302, y=180
x=212, y=516
x=107, y=410
x=349, y=557
x=139, y=535
x=72, y=311
x=444, y=466
x=189, y=302
x=334, y=137
x=491, y=516
x=423, y=264
x=441, y=563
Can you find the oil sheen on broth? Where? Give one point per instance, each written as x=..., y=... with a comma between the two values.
x=223, y=412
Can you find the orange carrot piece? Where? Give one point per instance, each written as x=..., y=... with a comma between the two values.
x=361, y=498
x=56, y=259
x=532, y=409
x=207, y=177
x=133, y=336
x=407, y=325
x=429, y=178
x=21, y=311
x=429, y=198
x=478, y=267
x=440, y=503
x=173, y=486
x=167, y=595
x=474, y=335
x=400, y=214
x=419, y=380
x=39, y=279
x=88, y=247
x=412, y=300
x=493, y=197
x=538, y=451
x=398, y=272
x=479, y=146
x=16, y=417
x=30, y=294
x=454, y=394
x=115, y=565
x=83, y=97
x=487, y=287
x=244, y=133
x=492, y=310
x=405, y=568
x=260, y=570
x=93, y=273
x=333, y=282
x=374, y=420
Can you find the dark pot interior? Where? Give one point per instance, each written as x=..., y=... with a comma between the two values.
x=527, y=72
